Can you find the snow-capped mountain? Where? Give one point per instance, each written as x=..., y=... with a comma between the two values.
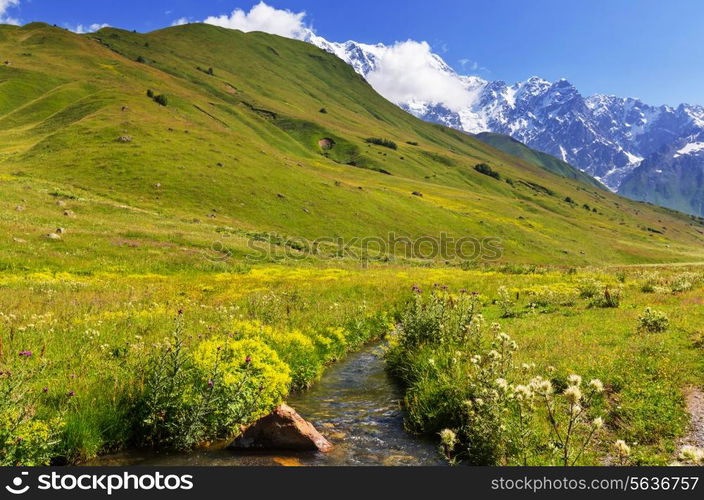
x=622, y=142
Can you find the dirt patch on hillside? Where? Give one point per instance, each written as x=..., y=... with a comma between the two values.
x=326, y=143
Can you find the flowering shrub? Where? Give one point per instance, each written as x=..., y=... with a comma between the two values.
x=655, y=283
x=438, y=318
x=506, y=303
x=246, y=378
x=463, y=384
x=545, y=296
x=192, y=397
x=652, y=321
x=684, y=282
x=610, y=298
x=26, y=439
x=307, y=353
x=589, y=288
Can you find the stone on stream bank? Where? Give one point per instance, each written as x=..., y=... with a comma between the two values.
x=283, y=429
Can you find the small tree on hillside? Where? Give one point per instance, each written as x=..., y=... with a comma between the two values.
x=162, y=99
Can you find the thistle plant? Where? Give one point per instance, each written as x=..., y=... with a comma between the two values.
x=571, y=427
x=506, y=303
x=487, y=415
x=652, y=321
x=622, y=452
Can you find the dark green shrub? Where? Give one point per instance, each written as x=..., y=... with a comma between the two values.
x=485, y=169
x=382, y=142
x=162, y=100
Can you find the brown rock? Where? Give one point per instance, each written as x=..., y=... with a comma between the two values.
x=283, y=429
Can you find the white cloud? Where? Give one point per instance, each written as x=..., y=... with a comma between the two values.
x=91, y=28
x=4, y=6
x=181, y=21
x=408, y=71
x=262, y=17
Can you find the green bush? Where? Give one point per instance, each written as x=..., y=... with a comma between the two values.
x=26, y=438
x=461, y=384
x=203, y=394
x=485, y=169
x=162, y=100
x=382, y=142
x=652, y=321
x=589, y=288
x=610, y=298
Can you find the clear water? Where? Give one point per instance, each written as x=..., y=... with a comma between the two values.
x=356, y=406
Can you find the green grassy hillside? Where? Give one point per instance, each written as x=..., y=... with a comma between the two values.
x=238, y=151
x=129, y=314
x=519, y=150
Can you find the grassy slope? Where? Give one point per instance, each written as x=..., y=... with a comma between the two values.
x=142, y=212
x=519, y=150
x=241, y=147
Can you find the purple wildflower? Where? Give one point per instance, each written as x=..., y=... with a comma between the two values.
x=211, y=384
x=45, y=389
x=71, y=394
x=416, y=289
x=248, y=359
x=26, y=354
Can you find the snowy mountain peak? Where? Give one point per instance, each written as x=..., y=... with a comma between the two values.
x=612, y=138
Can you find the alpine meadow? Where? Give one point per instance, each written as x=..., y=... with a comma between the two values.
x=197, y=224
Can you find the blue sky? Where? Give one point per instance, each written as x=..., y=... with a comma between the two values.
x=643, y=48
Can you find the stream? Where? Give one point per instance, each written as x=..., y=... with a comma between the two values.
x=356, y=406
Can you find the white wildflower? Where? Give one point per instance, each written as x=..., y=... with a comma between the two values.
x=622, y=449
x=597, y=385
x=573, y=394
x=448, y=438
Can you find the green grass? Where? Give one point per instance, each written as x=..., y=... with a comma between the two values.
x=234, y=141
x=171, y=218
